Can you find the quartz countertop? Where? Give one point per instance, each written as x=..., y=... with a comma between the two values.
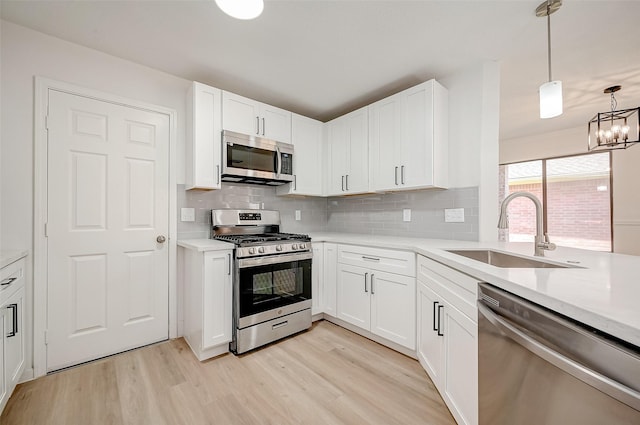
x=9, y=256
x=205, y=244
x=602, y=290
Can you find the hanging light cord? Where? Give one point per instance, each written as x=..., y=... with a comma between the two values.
x=614, y=102
x=549, y=36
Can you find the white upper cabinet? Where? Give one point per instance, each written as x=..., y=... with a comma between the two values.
x=308, y=164
x=409, y=139
x=204, y=138
x=251, y=117
x=348, y=143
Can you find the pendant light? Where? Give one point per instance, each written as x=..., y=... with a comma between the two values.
x=551, y=91
x=241, y=9
x=615, y=129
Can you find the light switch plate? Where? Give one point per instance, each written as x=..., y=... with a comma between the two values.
x=187, y=214
x=406, y=214
x=298, y=215
x=454, y=215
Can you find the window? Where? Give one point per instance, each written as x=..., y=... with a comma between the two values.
x=575, y=192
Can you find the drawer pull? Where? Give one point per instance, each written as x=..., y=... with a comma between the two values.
x=440, y=332
x=364, y=257
x=279, y=325
x=8, y=281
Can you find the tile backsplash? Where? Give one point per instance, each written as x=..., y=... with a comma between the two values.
x=376, y=214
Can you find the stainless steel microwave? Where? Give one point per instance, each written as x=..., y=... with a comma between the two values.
x=252, y=159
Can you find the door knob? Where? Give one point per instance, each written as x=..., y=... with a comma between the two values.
x=161, y=239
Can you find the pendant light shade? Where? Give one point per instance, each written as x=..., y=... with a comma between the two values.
x=551, y=99
x=551, y=91
x=241, y=9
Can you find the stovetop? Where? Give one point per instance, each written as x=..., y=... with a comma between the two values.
x=260, y=239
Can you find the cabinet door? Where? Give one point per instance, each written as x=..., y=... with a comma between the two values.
x=216, y=299
x=393, y=307
x=4, y=396
x=275, y=123
x=429, y=343
x=357, y=176
x=353, y=300
x=204, y=138
x=14, y=338
x=317, y=272
x=306, y=136
x=460, y=386
x=385, y=132
x=240, y=114
x=417, y=141
x=337, y=136
x=330, y=275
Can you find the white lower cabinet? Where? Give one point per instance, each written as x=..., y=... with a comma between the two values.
x=317, y=276
x=329, y=278
x=12, y=319
x=207, y=301
x=447, y=345
x=374, y=299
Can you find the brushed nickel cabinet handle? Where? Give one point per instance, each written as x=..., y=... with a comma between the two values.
x=365, y=282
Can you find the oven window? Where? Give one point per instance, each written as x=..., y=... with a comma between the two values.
x=248, y=158
x=264, y=288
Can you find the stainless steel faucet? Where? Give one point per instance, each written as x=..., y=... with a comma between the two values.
x=542, y=240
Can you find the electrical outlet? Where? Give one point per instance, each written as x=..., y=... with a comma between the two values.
x=298, y=215
x=406, y=214
x=454, y=215
x=187, y=214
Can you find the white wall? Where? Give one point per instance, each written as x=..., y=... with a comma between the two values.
x=26, y=53
x=626, y=173
x=474, y=117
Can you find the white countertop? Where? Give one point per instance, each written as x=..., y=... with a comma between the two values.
x=205, y=244
x=9, y=256
x=604, y=294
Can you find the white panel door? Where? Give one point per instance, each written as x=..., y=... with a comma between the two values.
x=353, y=303
x=417, y=141
x=385, y=131
x=393, y=307
x=217, y=299
x=275, y=123
x=240, y=114
x=108, y=198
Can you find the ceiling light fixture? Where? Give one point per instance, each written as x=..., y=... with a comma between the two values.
x=551, y=91
x=612, y=130
x=241, y=9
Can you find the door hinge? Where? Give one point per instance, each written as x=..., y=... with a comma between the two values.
x=46, y=230
x=46, y=122
x=46, y=337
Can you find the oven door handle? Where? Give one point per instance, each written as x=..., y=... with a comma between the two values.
x=243, y=263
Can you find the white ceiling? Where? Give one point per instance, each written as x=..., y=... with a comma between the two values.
x=325, y=58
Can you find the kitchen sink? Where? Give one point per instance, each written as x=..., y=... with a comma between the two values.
x=507, y=261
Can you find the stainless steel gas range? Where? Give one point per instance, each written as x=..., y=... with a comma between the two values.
x=272, y=277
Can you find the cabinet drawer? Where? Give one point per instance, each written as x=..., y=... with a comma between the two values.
x=457, y=288
x=390, y=261
x=11, y=276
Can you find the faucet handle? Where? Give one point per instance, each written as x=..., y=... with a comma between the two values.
x=547, y=244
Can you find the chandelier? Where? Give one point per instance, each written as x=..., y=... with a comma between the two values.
x=614, y=129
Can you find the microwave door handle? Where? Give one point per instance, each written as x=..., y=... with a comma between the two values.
x=278, y=162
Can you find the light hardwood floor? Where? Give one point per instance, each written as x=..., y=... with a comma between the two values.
x=327, y=375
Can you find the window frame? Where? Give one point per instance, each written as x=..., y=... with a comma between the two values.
x=544, y=186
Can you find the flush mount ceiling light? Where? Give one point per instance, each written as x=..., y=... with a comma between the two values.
x=551, y=91
x=241, y=9
x=615, y=129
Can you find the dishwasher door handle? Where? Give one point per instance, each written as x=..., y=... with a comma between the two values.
x=607, y=385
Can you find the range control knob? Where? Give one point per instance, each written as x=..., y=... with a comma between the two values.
x=302, y=246
x=279, y=248
x=294, y=246
x=252, y=251
x=261, y=250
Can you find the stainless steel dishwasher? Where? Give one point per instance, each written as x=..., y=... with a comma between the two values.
x=538, y=367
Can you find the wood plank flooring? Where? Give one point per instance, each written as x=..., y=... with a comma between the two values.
x=327, y=375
